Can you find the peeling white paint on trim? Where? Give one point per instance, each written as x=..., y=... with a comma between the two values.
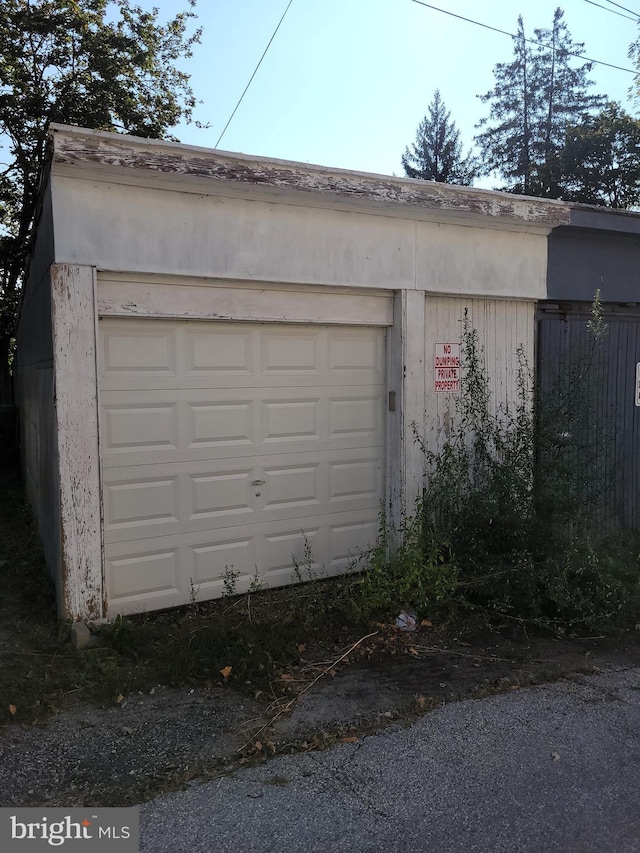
x=150, y=299
x=141, y=158
x=74, y=354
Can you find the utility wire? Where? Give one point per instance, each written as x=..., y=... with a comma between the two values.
x=613, y=11
x=624, y=8
x=512, y=35
x=255, y=71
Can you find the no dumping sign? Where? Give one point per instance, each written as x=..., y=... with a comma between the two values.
x=446, y=367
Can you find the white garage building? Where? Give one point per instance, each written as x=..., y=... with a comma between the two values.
x=222, y=359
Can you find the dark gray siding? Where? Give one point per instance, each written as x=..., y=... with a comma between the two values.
x=607, y=431
x=583, y=260
x=34, y=388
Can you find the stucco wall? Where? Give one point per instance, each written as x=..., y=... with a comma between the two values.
x=143, y=229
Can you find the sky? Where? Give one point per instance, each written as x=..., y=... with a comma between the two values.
x=345, y=83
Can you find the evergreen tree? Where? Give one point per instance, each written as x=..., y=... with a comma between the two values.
x=436, y=154
x=506, y=143
x=104, y=64
x=535, y=98
x=564, y=97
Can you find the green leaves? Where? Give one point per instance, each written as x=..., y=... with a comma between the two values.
x=600, y=160
x=95, y=63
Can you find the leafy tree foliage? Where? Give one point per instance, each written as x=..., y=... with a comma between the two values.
x=103, y=64
x=436, y=154
x=600, y=161
x=534, y=98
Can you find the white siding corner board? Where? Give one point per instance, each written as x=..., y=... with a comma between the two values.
x=74, y=358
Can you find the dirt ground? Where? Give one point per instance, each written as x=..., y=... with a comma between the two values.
x=164, y=739
x=167, y=739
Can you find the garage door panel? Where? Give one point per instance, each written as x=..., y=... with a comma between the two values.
x=142, y=502
x=357, y=478
x=215, y=424
x=190, y=425
x=148, y=580
x=137, y=426
x=257, y=447
x=144, y=575
x=357, y=416
x=219, y=353
x=177, y=356
x=211, y=560
x=219, y=495
x=354, y=351
x=348, y=541
x=142, y=352
x=286, y=487
x=173, y=501
x=298, y=355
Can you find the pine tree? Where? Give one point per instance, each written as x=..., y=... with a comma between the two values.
x=564, y=97
x=535, y=98
x=506, y=143
x=436, y=154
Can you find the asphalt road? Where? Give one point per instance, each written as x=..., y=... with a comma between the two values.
x=551, y=768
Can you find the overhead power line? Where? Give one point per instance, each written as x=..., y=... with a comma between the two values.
x=255, y=71
x=623, y=7
x=612, y=11
x=512, y=35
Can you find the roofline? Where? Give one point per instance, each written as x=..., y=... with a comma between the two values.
x=136, y=160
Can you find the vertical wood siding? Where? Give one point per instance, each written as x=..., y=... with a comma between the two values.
x=502, y=325
x=609, y=439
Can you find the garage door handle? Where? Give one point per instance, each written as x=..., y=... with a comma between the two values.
x=259, y=482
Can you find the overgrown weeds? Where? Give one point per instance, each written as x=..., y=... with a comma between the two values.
x=513, y=519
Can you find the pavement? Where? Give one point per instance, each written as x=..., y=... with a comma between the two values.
x=548, y=768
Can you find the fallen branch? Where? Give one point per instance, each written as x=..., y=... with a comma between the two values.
x=289, y=705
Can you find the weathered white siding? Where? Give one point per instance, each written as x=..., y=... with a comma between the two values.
x=503, y=327
x=166, y=297
x=281, y=242
x=487, y=262
x=76, y=411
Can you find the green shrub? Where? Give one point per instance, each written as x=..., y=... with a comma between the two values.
x=512, y=519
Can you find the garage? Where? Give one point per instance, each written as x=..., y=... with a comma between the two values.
x=223, y=361
x=236, y=448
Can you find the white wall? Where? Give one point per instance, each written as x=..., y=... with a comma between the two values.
x=142, y=229
x=502, y=326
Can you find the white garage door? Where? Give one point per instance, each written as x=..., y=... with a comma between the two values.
x=231, y=446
